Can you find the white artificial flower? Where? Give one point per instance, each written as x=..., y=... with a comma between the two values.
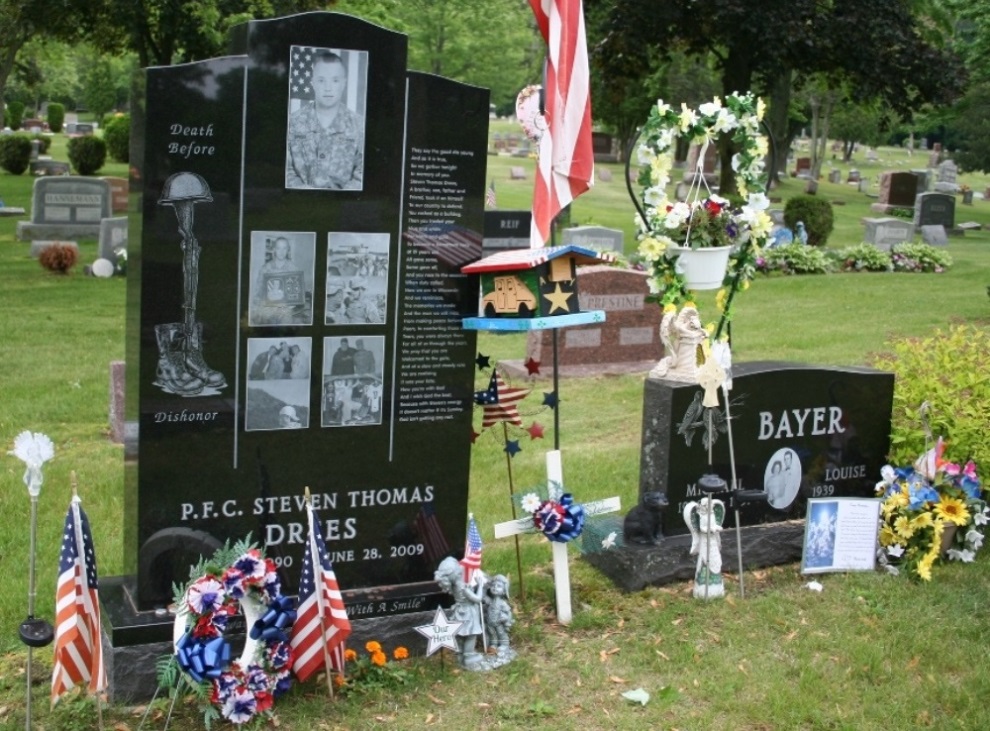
x=677, y=215
x=759, y=202
x=33, y=449
x=712, y=107
x=531, y=502
x=964, y=555
x=974, y=539
x=896, y=550
x=666, y=139
x=654, y=196
x=662, y=108
x=982, y=517
x=644, y=154
x=687, y=118
x=609, y=541
x=814, y=586
x=654, y=284
x=725, y=122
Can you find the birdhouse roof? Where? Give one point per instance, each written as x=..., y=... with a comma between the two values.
x=516, y=259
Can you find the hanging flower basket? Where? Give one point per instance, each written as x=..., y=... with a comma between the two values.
x=701, y=268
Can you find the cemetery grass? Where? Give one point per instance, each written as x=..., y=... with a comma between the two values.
x=871, y=651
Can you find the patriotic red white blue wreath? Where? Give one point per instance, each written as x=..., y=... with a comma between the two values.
x=246, y=687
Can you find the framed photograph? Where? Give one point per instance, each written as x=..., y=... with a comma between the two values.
x=357, y=278
x=278, y=383
x=282, y=265
x=353, y=388
x=324, y=145
x=841, y=535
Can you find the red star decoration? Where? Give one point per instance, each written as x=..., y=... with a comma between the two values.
x=535, y=431
x=474, y=435
x=532, y=366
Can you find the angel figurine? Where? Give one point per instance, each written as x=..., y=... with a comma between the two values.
x=681, y=333
x=704, y=519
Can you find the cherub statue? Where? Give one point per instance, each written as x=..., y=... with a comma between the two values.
x=681, y=333
x=466, y=610
x=498, y=617
x=704, y=518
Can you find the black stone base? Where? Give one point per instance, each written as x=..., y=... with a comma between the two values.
x=632, y=568
x=134, y=641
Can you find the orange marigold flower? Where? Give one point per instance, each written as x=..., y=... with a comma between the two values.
x=373, y=647
x=339, y=681
x=350, y=655
x=378, y=658
x=400, y=653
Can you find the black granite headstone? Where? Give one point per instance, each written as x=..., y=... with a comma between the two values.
x=264, y=253
x=798, y=432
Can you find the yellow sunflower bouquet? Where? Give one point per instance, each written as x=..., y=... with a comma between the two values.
x=932, y=510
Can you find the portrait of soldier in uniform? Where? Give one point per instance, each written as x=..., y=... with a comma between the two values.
x=325, y=138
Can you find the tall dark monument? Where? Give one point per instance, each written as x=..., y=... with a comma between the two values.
x=296, y=302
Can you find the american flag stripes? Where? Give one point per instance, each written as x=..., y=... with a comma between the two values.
x=566, y=160
x=321, y=619
x=78, y=652
x=490, y=200
x=472, y=550
x=431, y=533
x=499, y=402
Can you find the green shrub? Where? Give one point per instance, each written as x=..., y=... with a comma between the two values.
x=815, y=212
x=87, y=154
x=795, y=259
x=863, y=258
x=117, y=135
x=15, y=114
x=948, y=370
x=15, y=153
x=56, y=116
x=912, y=257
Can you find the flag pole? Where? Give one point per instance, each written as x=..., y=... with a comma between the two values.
x=319, y=597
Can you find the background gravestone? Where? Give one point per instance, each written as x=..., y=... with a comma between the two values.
x=598, y=238
x=384, y=447
x=936, y=209
x=946, y=176
x=628, y=340
x=506, y=230
x=897, y=190
x=886, y=232
x=113, y=235
x=66, y=207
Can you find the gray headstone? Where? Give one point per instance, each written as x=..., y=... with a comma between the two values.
x=594, y=237
x=39, y=168
x=934, y=236
x=935, y=209
x=605, y=175
x=924, y=179
x=948, y=171
x=517, y=173
x=66, y=208
x=853, y=176
x=113, y=235
x=835, y=176
x=776, y=215
x=885, y=232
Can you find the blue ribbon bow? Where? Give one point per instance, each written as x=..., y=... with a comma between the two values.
x=560, y=521
x=275, y=624
x=202, y=658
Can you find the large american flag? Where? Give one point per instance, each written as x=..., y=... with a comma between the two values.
x=472, y=550
x=301, y=71
x=321, y=619
x=431, y=533
x=566, y=166
x=78, y=652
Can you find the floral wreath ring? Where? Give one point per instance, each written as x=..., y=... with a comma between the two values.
x=740, y=116
x=247, y=686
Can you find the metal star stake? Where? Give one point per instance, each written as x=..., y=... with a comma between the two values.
x=440, y=633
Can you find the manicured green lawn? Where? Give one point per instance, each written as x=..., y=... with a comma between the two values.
x=870, y=652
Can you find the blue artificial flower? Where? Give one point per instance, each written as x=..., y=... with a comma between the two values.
x=970, y=486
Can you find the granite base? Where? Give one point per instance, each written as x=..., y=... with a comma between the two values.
x=633, y=568
x=30, y=231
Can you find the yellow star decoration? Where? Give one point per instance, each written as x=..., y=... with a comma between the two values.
x=558, y=299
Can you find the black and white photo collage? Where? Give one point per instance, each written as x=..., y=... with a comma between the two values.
x=283, y=293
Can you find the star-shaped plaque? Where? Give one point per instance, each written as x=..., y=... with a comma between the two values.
x=532, y=366
x=558, y=299
x=512, y=447
x=535, y=430
x=440, y=633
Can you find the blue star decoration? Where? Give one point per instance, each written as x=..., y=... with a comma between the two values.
x=550, y=399
x=512, y=447
x=483, y=361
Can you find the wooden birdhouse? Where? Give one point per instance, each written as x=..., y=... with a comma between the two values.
x=530, y=283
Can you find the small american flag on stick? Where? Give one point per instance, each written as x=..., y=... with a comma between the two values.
x=472, y=550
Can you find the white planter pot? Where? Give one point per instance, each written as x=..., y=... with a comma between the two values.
x=701, y=268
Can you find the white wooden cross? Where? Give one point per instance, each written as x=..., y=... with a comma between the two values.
x=561, y=571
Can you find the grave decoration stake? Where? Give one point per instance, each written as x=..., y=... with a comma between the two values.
x=33, y=449
x=561, y=520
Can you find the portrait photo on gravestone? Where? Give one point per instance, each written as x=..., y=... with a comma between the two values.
x=357, y=278
x=281, y=278
x=327, y=108
x=278, y=383
x=352, y=380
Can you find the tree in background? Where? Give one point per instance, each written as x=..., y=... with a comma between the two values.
x=493, y=44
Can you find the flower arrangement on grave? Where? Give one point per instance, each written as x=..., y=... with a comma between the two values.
x=704, y=220
x=557, y=517
x=932, y=509
x=242, y=690
x=372, y=670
